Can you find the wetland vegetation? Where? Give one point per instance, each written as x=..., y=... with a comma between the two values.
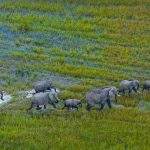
x=79, y=45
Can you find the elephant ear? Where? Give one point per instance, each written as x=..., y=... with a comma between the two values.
x=112, y=92
x=50, y=95
x=109, y=93
x=133, y=83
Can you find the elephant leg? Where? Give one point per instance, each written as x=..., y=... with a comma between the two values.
x=143, y=89
x=36, y=91
x=88, y=107
x=53, y=104
x=44, y=106
x=38, y=107
x=123, y=92
x=68, y=107
x=57, y=99
x=30, y=106
x=102, y=106
x=55, y=90
x=129, y=91
x=2, y=98
x=134, y=89
x=76, y=107
x=72, y=107
x=109, y=103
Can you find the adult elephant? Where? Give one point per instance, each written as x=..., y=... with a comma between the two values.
x=42, y=86
x=101, y=98
x=112, y=93
x=129, y=85
x=42, y=99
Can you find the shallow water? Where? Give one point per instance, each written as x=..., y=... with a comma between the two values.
x=7, y=98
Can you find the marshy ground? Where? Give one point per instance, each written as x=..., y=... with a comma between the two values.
x=79, y=45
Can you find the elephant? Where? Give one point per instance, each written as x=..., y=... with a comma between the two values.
x=100, y=99
x=129, y=85
x=41, y=99
x=146, y=85
x=72, y=103
x=113, y=91
x=1, y=96
x=42, y=86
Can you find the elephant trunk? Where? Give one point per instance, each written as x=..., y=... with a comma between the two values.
x=2, y=97
x=55, y=90
x=138, y=85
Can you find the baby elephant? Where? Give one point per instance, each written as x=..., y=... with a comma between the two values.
x=41, y=99
x=72, y=103
x=1, y=96
x=146, y=85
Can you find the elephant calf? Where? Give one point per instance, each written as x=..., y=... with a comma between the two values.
x=42, y=86
x=146, y=85
x=41, y=99
x=1, y=96
x=72, y=103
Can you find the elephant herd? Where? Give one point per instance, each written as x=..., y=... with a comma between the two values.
x=45, y=92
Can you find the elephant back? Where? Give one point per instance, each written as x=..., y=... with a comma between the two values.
x=147, y=82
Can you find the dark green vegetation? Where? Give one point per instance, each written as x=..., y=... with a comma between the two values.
x=79, y=45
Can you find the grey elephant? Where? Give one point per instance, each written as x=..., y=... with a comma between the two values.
x=72, y=103
x=101, y=99
x=146, y=85
x=113, y=91
x=129, y=85
x=1, y=96
x=42, y=86
x=41, y=99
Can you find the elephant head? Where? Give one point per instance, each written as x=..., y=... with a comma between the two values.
x=49, y=85
x=113, y=92
x=136, y=85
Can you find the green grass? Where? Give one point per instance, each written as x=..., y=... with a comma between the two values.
x=79, y=45
x=75, y=130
